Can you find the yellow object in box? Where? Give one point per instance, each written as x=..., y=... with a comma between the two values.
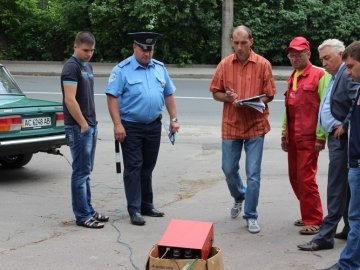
x=214, y=262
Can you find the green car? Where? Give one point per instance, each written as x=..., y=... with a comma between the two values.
x=27, y=126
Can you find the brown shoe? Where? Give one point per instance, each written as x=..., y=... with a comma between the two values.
x=299, y=222
x=310, y=229
x=312, y=246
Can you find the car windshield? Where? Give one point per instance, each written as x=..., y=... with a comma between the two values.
x=7, y=83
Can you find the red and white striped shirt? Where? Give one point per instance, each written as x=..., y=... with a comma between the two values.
x=252, y=78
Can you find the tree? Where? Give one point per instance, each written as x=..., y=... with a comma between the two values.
x=193, y=31
x=227, y=25
x=190, y=28
x=276, y=22
x=20, y=21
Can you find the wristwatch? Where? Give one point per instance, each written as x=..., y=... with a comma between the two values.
x=174, y=119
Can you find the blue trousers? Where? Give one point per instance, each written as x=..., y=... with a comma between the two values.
x=140, y=151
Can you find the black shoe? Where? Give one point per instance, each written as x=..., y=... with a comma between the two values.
x=334, y=267
x=341, y=235
x=153, y=213
x=137, y=219
x=90, y=223
x=100, y=217
x=312, y=246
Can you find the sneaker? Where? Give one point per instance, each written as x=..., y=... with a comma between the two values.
x=236, y=209
x=253, y=225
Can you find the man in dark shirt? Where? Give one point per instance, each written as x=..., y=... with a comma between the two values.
x=350, y=256
x=333, y=112
x=77, y=84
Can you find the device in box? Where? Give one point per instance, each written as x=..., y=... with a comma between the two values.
x=214, y=262
x=194, y=237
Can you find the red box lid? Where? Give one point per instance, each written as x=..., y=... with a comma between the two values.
x=187, y=234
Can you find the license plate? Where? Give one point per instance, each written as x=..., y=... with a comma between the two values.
x=38, y=122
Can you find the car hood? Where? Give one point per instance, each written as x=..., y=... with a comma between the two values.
x=13, y=101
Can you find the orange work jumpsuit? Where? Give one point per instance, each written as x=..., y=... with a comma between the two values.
x=302, y=107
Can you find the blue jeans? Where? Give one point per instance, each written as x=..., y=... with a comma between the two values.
x=82, y=146
x=231, y=154
x=350, y=256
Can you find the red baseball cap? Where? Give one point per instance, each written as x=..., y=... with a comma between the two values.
x=298, y=44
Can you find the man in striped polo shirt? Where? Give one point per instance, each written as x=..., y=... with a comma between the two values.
x=243, y=74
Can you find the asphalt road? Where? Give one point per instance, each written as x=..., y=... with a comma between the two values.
x=194, y=101
x=38, y=229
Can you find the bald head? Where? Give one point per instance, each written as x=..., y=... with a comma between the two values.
x=243, y=29
x=241, y=42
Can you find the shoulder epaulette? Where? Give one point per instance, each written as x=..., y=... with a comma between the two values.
x=158, y=62
x=124, y=62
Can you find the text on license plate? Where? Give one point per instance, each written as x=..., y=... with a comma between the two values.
x=37, y=122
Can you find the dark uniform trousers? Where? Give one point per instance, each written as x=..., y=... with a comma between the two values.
x=337, y=189
x=140, y=151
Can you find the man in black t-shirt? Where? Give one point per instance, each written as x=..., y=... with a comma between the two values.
x=77, y=84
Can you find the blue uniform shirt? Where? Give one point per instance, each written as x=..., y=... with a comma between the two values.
x=140, y=91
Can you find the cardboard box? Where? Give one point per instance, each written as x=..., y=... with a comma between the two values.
x=214, y=262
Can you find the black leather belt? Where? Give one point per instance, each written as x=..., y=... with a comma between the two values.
x=140, y=123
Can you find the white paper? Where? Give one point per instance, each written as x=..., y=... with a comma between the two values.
x=169, y=133
x=254, y=102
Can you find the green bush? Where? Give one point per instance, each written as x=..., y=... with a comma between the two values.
x=191, y=29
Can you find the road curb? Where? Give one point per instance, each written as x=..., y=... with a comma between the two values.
x=172, y=75
x=43, y=68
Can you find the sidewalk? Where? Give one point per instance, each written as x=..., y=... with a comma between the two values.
x=42, y=68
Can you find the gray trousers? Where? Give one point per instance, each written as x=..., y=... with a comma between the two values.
x=337, y=190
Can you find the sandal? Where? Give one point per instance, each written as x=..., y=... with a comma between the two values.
x=91, y=223
x=299, y=223
x=310, y=229
x=100, y=217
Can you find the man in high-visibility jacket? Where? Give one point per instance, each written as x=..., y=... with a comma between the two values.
x=302, y=138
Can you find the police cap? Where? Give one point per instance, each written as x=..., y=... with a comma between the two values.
x=146, y=40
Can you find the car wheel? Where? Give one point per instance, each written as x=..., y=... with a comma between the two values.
x=16, y=161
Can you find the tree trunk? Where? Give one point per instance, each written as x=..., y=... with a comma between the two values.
x=227, y=25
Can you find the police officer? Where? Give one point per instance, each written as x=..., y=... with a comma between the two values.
x=137, y=91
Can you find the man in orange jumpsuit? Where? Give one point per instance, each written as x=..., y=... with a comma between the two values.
x=302, y=138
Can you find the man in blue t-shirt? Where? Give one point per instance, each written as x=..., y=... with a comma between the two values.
x=77, y=84
x=137, y=91
x=350, y=256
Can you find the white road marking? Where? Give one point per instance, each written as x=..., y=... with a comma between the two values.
x=177, y=97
